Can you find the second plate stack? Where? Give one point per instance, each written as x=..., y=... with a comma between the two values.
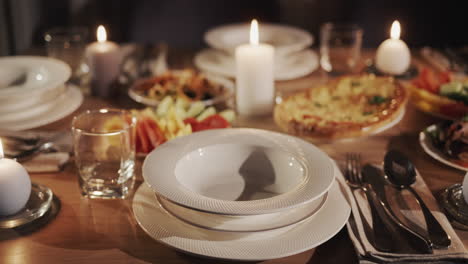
x=293, y=58
x=33, y=92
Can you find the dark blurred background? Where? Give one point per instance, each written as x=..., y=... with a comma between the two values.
x=181, y=23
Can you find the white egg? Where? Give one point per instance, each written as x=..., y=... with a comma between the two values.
x=15, y=187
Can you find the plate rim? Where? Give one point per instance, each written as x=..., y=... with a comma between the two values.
x=171, y=189
x=435, y=153
x=222, y=250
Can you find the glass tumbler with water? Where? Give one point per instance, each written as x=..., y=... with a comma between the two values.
x=340, y=47
x=104, y=148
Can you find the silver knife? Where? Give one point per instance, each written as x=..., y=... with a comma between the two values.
x=374, y=177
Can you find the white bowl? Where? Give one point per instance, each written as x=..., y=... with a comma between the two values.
x=238, y=171
x=27, y=76
x=285, y=39
x=243, y=223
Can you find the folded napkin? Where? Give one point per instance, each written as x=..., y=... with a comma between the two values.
x=51, y=160
x=47, y=162
x=408, y=211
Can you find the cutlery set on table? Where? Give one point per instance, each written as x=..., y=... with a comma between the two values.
x=395, y=218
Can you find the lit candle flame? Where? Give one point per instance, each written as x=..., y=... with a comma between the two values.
x=395, y=31
x=254, y=32
x=1, y=150
x=101, y=34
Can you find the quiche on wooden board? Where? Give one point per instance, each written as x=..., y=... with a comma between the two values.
x=351, y=106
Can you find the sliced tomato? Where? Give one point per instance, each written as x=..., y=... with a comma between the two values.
x=457, y=110
x=445, y=77
x=142, y=142
x=153, y=133
x=211, y=122
x=215, y=121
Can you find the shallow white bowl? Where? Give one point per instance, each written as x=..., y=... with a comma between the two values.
x=285, y=39
x=238, y=171
x=27, y=76
x=243, y=223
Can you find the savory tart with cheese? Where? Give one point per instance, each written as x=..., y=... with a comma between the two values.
x=348, y=107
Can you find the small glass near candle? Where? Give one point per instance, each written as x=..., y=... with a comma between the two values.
x=68, y=45
x=340, y=47
x=104, y=147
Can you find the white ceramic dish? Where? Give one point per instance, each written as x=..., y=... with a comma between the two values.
x=292, y=66
x=26, y=76
x=243, y=188
x=244, y=223
x=433, y=151
x=227, y=92
x=71, y=100
x=22, y=103
x=246, y=246
x=285, y=39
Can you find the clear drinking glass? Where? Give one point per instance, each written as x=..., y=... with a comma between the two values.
x=340, y=47
x=104, y=149
x=68, y=45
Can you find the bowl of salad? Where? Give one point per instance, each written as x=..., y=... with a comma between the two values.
x=440, y=94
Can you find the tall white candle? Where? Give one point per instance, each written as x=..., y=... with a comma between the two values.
x=255, y=90
x=104, y=60
x=393, y=55
x=15, y=185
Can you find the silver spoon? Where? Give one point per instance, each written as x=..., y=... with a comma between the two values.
x=401, y=172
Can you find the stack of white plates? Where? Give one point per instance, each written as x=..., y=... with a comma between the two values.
x=293, y=59
x=242, y=194
x=33, y=92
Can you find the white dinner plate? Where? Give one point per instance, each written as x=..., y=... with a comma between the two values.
x=191, y=171
x=246, y=246
x=68, y=103
x=292, y=66
x=285, y=39
x=433, y=151
x=26, y=76
x=15, y=104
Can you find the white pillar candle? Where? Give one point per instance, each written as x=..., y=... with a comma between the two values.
x=104, y=60
x=255, y=87
x=15, y=186
x=393, y=55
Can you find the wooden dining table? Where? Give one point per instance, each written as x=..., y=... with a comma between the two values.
x=105, y=231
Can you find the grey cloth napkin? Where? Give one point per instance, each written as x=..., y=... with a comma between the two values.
x=52, y=161
x=407, y=210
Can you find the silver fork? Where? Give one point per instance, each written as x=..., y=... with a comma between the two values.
x=383, y=240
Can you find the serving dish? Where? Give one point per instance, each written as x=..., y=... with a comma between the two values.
x=184, y=171
x=246, y=246
x=28, y=76
x=285, y=39
x=188, y=84
x=428, y=94
x=435, y=152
